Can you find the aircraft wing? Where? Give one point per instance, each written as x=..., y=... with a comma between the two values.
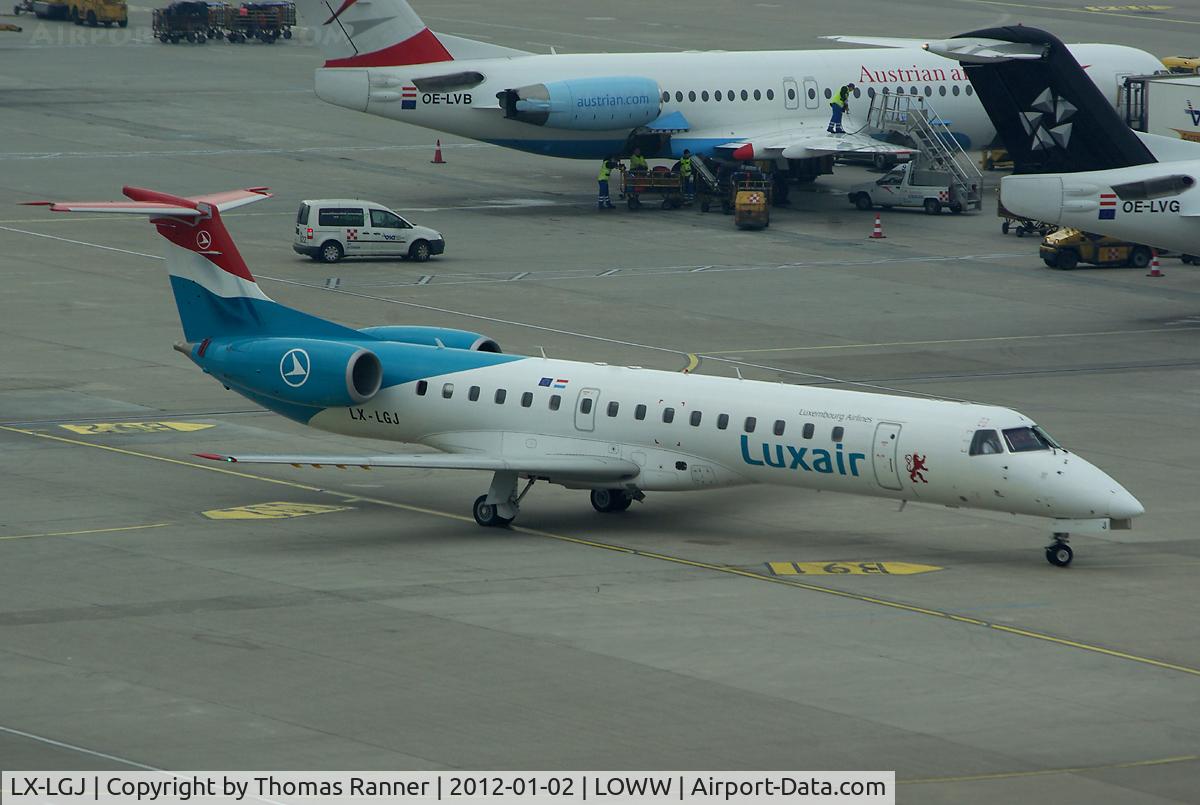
x=963, y=48
x=592, y=468
x=801, y=143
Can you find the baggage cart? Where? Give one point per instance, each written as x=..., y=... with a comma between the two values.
x=184, y=20
x=1021, y=225
x=660, y=182
x=265, y=21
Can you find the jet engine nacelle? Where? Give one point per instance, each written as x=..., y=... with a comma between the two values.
x=586, y=104
x=304, y=371
x=430, y=336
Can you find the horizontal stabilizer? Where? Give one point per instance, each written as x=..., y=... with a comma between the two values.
x=962, y=48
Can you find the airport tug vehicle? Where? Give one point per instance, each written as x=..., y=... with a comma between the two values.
x=617, y=432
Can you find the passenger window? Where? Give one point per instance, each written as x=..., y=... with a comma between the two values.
x=928, y=91
x=668, y=415
x=717, y=95
x=955, y=89
x=745, y=95
x=527, y=399
x=704, y=95
x=838, y=433
x=857, y=92
x=870, y=93
x=692, y=95
x=341, y=217
x=912, y=90
x=585, y=405
x=899, y=90
x=985, y=443
x=473, y=393
x=828, y=93
x=970, y=90
x=613, y=407
x=666, y=96
x=1023, y=440
x=812, y=93
x=639, y=412
x=750, y=423
x=722, y=421
x=678, y=97
x=385, y=219
x=779, y=426
x=770, y=95
x=757, y=95
x=791, y=94
x=422, y=387
x=555, y=401
x=501, y=394
x=448, y=390
x=942, y=90
x=695, y=419
x=809, y=429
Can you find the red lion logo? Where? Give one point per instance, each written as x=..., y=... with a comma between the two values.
x=916, y=467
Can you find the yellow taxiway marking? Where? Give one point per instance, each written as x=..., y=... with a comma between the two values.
x=87, y=531
x=948, y=341
x=693, y=362
x=276, y=510
x=136, y=427
x=662, y=557
x=1084, y=10
x=849, y=568
x=1009, y=775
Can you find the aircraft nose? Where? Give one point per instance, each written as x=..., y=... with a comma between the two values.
x=1097, y=493
x=1124, y=505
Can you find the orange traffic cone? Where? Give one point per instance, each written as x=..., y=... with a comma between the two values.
x=437, y=154
x=877, y=233
x=1155, y=271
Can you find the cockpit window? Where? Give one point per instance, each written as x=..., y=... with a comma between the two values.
x=986, y=442
x=1023, y=440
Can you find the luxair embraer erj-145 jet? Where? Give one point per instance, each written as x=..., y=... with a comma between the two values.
x=762, y=105
x=1095, y=173
x=618, y=431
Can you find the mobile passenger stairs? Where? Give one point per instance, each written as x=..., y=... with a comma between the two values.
x=940, y=158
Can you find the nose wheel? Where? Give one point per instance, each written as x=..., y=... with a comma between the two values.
x=1059, y=553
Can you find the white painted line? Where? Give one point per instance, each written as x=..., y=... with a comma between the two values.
x=206, y=152
x=81, y=243
x=608, y=273
x=81, y=749
x=520, y=276
x=425, y=279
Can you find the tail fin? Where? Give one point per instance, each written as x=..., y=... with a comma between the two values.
x=371, y=33
x=214, y=290
x=1050, y=115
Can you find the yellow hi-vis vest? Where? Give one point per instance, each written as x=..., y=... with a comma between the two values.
x=685, y=166
x=604, y=172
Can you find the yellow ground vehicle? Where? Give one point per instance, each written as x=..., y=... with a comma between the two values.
x=1069, y=247
x=752, y=209
x=995, y=159
x=99, y=12
x=1182, y=64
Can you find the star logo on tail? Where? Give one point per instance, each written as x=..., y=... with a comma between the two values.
x=1049, y=121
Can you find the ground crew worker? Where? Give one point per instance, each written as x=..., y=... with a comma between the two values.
x=685, y=173
x=603, y=201
x=637, y=162
x=839, y=105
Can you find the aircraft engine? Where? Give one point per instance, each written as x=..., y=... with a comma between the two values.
x=585, y=104
x=430, y=336
x=305, y=371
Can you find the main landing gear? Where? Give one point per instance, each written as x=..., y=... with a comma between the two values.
x=1059, y=553
x=500, y=505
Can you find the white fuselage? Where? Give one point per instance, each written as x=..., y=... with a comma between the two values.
x=786, y=91
x=883, y=446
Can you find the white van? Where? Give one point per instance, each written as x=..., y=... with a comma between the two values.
x=330, y=229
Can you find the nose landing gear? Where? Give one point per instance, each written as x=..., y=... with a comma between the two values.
x=1059, y=553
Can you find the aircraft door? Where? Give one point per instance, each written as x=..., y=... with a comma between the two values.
x=812, y=95
x=885, y=454
x=791, y=93
x=585, y=409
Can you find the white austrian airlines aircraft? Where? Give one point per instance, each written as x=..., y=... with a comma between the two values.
x=1077, y=163
x=617, y=431
x=766, y=105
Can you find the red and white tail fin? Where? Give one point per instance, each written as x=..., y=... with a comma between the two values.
x=371, y=33
x=211, y=282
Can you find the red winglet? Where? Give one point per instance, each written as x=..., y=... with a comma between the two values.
x=216, y=457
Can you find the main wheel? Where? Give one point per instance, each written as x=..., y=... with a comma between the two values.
x=486, y=514
x=287, y=34
x=1004, y=227
x=331, y=251
x=863, y=201
x=632, y=202
x=1139, y=257
x=610, y=500
x=419, y=251
x=932, y=206
x=1059, y=554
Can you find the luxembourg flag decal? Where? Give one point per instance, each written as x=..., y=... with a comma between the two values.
x=408, y=97
x=1108, y=206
